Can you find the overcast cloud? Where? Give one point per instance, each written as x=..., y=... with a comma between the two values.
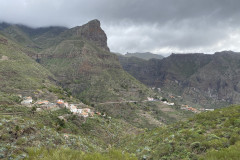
x=159, y=26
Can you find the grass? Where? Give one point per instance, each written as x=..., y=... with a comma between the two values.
x=69, y=154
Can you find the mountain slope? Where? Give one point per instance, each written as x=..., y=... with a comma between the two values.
x=19, y=74
x=82, y=62
x=33, y=38
x=205, y=80
x=206, y=136
x=80, y=59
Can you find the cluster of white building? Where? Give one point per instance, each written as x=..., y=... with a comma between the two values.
x=46, y=105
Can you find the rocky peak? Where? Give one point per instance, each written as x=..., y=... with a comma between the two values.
x=92, y=31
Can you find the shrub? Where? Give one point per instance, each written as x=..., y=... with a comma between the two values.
x=195, y=146
x=69, y=154
x=164, y=99
x=231, y=153
x=21, y=141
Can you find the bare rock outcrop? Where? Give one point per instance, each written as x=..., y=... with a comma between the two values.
x=92, y=31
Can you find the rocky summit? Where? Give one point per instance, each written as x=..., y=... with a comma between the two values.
x=92, y=31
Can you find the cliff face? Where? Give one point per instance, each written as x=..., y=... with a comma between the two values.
x=92, y=31
x=206, y=80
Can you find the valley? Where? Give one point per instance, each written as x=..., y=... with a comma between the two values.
x=65, y=95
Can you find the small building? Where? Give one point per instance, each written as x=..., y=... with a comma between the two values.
x=27, y=101
x=73, y=108
x=39, y=109
x=150, y=99
x=209, y=109
x=65, y=136
x=171, y=104
x=165, y=102
x=79, y=111
x=98, y=113
x=84, y=114
x=50, y=106
x=87, y=110
x=66, y=105
x=42, y=102
x=60, y=103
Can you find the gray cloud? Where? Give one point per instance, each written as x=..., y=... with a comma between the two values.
x=160, y=26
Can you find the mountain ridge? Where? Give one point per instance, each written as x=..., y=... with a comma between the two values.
x=144, y=55
x=203, y=79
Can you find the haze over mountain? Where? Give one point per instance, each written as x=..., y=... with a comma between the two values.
x=146, y=55
x=159, y=26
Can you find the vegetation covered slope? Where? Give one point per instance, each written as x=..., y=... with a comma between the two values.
x=22, y=129
x=19, y=74
x=210, y=135
x=84, y=64
x=80, y=59
x=206, y=80
x=33, y=38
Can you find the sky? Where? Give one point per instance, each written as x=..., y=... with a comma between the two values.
x=157, y=26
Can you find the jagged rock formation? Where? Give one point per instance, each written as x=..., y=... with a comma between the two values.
x=93, y=32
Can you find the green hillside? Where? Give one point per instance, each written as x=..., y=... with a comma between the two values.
x=91, y=73
x=19, y=73
x=80, y=60
x=23, y=132
x=211, y=135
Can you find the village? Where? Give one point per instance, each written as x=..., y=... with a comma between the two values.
x=46, y=105
x=83, y=110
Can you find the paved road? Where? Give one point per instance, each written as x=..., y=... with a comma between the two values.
x=125, y=102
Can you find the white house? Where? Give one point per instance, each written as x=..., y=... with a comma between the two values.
x=150, y=99
x=27, y=101
x=165, y=102
x=79, y=111
x=73, y=108
x=209, y=109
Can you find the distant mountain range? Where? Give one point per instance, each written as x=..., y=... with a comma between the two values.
x=146, y=55
x=204, y=80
